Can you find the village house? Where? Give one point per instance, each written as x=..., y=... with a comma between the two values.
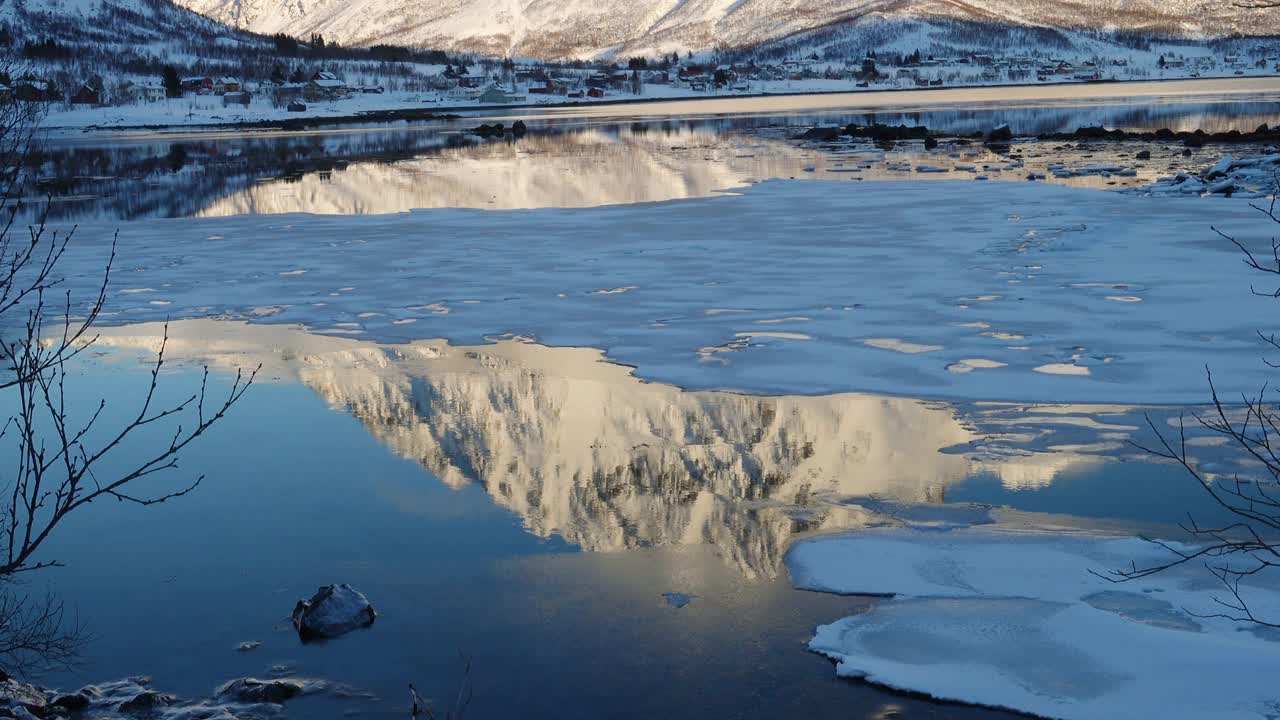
x=498, y=95
x=226, y=84
x=239, y=97
x=462, y=92
x=197, y=84
x=34, y=90
x=152, y=92
x=86, y=95
x=325, y=85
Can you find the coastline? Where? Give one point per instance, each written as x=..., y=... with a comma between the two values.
x=453, y=112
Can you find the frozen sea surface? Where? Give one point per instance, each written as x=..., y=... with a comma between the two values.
x=1016, y=620
x=960, y=290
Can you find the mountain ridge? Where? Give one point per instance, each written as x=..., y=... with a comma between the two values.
x=584, y=30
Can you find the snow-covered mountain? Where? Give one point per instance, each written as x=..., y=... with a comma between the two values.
x=581, y=28
x=116, y=25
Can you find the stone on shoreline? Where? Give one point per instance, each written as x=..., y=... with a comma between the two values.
x=145, y=703
x=253, y=690
x=334, y=610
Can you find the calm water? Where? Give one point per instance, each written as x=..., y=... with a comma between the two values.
x=529, y=506
x=577, y=157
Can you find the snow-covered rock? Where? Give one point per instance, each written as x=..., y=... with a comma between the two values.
x=253, y=690
x=17, y=694
x=334, y=610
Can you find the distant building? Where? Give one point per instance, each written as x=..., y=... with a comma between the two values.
x=498, y=95
x=462, y=92
x=325, y=85
x=34, y=90
x=152, y=92
x=226, y=84
x=197, y=84
x=86, y=95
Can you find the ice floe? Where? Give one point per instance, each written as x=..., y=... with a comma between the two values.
x=869, y=267
x=1250, y=176
x=1016, y=619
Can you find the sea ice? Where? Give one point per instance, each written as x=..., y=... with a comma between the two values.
x=1017, y=620
x=874, y=268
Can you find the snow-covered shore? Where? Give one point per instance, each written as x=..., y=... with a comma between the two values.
x=209, y=111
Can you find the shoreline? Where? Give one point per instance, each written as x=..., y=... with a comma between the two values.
x=455, y=112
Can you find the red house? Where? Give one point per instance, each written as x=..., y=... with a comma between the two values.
x=595, y=93
x=86, y=95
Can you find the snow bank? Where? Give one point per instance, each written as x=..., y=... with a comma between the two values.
x=1045, y=293
x=1016, y=620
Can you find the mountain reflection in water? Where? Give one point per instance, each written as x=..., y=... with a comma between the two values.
x=578, y=447
x=618, y=155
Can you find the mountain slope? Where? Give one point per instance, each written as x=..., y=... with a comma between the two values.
x=554, y=29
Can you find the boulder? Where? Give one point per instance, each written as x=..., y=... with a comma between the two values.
x=14, y=693
x=885, y=133
x=1143, y=155
x=73, y=702
x=488, y=131
x=518, y=128
x=1000, y=134
x=145, y=703
x=1097, y=132
x=253, y=690
x=334, y=610
x=821, y=134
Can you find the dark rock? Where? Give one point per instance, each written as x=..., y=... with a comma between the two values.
x=930, y=143
x=1262, y=129
x=518, y=128
x=1143, y=155
x=253, y=690
x=145, y=703
x=73, y=702
x=1186, y=152
x=488, y=131
x=821, y=134
x=1000, y=134
x=888, y=133
x=334, y=610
